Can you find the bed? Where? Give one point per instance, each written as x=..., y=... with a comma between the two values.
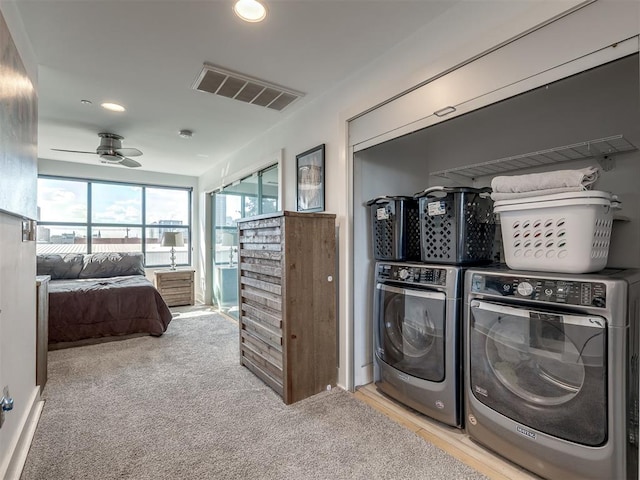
x=101, y=295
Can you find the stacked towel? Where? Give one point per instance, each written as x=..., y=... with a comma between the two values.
x=534, y=184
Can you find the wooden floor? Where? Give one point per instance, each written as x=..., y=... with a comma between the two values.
x=452, y=440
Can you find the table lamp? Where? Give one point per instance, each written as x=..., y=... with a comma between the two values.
x=172, y=239
x=228, y=240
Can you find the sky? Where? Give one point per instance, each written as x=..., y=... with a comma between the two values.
x=66, y=201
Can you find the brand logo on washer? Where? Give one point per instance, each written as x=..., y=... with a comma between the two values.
x=439, y=404
x=482, y=391
x=525, y=432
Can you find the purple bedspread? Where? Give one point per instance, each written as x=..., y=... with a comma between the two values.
x=104, y=307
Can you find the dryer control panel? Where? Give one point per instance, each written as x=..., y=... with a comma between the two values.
x=413, y=274
x=568, y=292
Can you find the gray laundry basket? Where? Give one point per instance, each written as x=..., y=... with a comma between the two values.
x=457, y=225
x=395, y=228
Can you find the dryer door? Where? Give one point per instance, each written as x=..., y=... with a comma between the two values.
x=544, y=370
x=411, y=330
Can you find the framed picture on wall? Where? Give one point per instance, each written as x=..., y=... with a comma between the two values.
x=310, y=165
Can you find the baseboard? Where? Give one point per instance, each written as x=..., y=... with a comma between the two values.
x=19, y=456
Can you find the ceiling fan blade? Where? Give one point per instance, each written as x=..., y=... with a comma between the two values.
x=72, y=151
x=127, y=162
x=128, y=152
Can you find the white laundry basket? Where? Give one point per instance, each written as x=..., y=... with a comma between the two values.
x=565, y=232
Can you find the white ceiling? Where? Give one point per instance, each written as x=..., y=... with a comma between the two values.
x=146, y=54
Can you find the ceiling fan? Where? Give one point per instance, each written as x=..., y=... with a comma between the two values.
x=110, y=151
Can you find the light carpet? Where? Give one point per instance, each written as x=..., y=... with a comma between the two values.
x=180, y=406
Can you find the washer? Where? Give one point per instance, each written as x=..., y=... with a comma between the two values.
x=551, y=370
x=417, y=337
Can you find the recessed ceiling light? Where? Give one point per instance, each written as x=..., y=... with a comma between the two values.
x=85, y=102
x=185, y=133
x=250, y=10
x=114, y=107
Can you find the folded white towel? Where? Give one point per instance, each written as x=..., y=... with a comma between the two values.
x=582, y=178
x=495, y=196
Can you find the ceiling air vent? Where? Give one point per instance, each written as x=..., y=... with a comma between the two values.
x=229, y=84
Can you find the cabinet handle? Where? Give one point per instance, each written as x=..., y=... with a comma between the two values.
x=444, y=111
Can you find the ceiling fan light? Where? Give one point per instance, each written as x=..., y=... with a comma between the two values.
x=110, y=158
x=114, y=107
x=250, y=10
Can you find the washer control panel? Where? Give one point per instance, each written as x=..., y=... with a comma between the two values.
x=412, y=274
x=568, y=292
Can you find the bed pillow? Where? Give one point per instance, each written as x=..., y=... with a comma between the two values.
x=112, y=264
x=64, y=266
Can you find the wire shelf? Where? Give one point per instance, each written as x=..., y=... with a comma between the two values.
x=578, y=151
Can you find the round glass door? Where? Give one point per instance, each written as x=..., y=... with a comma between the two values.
x=552, y=373
x=542, y=369
x=410, y=334
x=408, y=326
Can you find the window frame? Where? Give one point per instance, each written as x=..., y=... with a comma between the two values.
x=259, y=196
x=89, y=226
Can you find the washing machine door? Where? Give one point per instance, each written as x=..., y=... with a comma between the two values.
x=411, y=330
x=544, y=370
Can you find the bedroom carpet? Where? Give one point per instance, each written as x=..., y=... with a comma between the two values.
x=180, y=406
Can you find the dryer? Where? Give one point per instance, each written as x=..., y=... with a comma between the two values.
x=417, y=337
x=551, y=370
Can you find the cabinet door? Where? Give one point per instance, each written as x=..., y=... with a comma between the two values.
x=310, y=305
x=260, y=257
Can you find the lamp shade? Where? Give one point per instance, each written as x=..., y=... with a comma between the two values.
x=172, y=239
x=228, y=239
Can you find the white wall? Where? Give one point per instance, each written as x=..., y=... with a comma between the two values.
x=17, y=331
x=468, y=29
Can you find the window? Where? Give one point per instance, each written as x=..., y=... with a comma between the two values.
x=83, y=216
x=253, y=195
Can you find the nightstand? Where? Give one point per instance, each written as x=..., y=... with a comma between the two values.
x=176, y=286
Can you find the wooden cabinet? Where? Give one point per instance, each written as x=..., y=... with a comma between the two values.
x=288, y=301
x=42, y=329
x=176, y=286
